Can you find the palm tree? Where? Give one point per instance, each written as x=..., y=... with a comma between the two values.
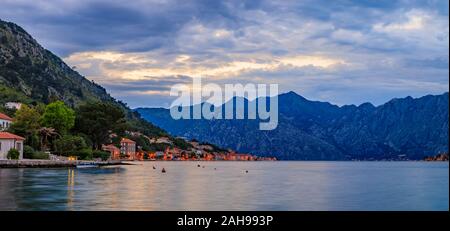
x=47, y=134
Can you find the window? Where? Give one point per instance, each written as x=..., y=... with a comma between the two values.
x=19, y=147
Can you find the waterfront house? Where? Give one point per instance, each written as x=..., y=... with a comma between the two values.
x=115, y=151
x=151, y=155
x=5, y=121
x=10, y=141
x=172, y=153
x=239, y=157
x=208, y=156
x=128, y=148
x=159, y=155
x=140, y=154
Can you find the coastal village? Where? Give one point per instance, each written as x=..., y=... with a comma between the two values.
x=128, y=149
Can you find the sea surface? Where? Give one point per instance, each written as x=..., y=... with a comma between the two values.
x=290, y=185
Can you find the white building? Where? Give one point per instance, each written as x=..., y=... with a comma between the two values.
x=5, y=122
x=13, y=105
x=9, y=141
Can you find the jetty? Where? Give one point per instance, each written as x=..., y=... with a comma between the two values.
x=55, y=163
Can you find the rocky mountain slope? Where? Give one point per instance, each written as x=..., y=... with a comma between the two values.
x=400, y=129
x=31, y=74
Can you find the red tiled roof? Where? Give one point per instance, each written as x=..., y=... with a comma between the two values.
x=125, y=140
x=4, y=117
x=110, y=146
x=10, y=136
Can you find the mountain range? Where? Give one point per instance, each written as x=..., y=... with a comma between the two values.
x=405, y=128
x=308, y=130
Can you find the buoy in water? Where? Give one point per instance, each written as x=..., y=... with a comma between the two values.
x=163, y=170
x=154, y=167
x=246, y=171
x=198, y=165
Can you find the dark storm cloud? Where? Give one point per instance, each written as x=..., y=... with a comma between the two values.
x=68, y=26
x=73, y=26
x=390, y=48
x=152, y=84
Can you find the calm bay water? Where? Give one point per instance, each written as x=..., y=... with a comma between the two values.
x=267, y=186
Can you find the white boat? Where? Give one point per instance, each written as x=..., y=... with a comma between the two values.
x=87, y=165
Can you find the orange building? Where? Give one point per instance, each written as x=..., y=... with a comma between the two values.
x=208, y=156
x=151, y=155
x=115, y=151
x=239, y=157
x=172, y=153
x=140, y=155
x=128, y=148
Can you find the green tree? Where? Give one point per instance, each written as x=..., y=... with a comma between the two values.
x=98, y=120
x=26, y=124
x=84, y=154
x=101, y=154
x=142, y=142
x=13, y=154
x=58, y=116
x=28, y=152
x=69, y=145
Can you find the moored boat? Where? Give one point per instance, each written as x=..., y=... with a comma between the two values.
x=87, y=165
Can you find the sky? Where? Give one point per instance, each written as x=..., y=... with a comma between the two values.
x=343, y=52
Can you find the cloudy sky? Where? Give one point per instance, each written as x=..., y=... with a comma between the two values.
x=344, y=52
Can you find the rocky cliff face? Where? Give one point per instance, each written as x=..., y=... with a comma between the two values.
x=38, y=74
x=401, y=128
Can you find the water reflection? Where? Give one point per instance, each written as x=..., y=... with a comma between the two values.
x=7, y=185
x=267, y=186
x=70, y=188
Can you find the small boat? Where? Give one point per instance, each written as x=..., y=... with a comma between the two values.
x=87, y=165
x=154, y=167
x=163, y=170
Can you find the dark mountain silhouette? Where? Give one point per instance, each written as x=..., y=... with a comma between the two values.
x=310, y=130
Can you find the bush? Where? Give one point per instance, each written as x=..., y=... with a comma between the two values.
x=68, y=145
x=84, y=154
x=28, y=152
x=13, y=154
x=40, y=156
x=101, y=154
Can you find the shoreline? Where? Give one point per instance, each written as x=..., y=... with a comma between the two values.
x=28, y=163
